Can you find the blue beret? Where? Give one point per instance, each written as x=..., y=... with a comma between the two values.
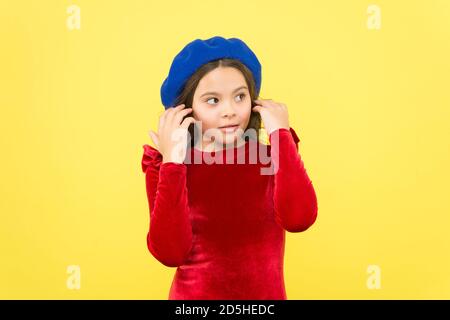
x=199, y=52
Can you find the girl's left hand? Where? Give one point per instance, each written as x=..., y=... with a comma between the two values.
x=274, y=115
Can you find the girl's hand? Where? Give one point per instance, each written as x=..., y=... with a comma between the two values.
x=171, y=129
x=274, y=115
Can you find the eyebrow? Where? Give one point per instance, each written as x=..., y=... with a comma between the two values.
x=217, y=94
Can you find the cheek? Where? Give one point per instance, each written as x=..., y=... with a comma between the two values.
x=245, y=112
x=205, y=115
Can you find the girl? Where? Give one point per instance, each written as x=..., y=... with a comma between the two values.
x=223, y=224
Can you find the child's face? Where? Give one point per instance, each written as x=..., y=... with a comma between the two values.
x=221, y=99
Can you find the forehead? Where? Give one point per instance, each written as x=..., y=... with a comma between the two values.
x=221, y=79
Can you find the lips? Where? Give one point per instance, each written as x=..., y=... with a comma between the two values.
x=229, y=128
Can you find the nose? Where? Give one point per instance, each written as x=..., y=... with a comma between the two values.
x=228, y=110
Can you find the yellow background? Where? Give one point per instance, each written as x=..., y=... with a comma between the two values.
x=371, y=108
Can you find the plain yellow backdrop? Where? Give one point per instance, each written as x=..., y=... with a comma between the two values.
x=371, y=107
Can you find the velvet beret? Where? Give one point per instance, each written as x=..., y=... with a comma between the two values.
x=199, y=52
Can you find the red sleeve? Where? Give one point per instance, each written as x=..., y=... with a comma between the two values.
x=169, y=238
x=295, y=200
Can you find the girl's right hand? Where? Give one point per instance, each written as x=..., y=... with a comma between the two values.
x=171, y=129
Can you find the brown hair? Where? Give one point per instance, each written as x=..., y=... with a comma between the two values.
x=187, y=95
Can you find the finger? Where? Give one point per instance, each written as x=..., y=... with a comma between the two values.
x=261, y=102
x=174, y=111
x=162, y=120
x=165, y=118
x=257, y=108
x=265, y=103
x=154, y=137
x=168, y=111
x=186, y=122
x=181, y=114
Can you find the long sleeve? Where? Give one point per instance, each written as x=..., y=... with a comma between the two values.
x=295, y=200
x=169, y=238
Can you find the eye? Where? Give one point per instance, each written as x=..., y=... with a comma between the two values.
x=243, y=96
x=210, y=99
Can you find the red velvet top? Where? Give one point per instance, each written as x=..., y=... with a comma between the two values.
x=223, y=224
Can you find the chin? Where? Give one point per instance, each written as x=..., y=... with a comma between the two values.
x=229, y=139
